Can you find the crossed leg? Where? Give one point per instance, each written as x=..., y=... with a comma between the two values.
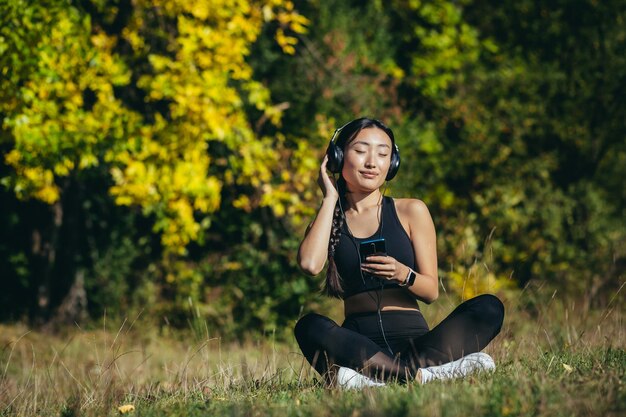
x=468, y=329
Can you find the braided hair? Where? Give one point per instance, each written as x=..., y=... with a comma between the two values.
x=332, y=286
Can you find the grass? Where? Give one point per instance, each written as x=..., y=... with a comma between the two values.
x=554, y=359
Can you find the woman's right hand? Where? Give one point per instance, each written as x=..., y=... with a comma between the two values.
x=327, y=185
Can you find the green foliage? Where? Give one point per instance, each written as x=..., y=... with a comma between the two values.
x=138, y=92
x=345, y=67
x=167, y=151
x=532, y=124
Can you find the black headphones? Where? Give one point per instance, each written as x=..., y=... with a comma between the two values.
x=335, y=156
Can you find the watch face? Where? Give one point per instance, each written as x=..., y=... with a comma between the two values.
x=411, y=278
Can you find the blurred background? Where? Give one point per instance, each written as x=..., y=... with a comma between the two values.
x=160, y=157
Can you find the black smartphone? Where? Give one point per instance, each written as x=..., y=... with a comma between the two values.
x=372, y=247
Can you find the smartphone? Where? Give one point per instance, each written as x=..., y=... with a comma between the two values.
x=372, y=247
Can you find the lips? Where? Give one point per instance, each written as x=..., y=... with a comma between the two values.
x=369, y=174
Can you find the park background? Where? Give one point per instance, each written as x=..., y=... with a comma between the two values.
x=159, y=166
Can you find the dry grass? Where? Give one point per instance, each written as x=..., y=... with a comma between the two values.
x=98, y=369
x=572, y=356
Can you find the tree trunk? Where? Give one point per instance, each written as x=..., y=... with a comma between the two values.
x=73, y=308
x=47, y=250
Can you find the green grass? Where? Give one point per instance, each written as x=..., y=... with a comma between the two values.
x=554, y=359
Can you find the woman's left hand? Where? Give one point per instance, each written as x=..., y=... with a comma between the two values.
x=386, y=267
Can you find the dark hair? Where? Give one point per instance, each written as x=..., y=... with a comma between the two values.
x=332, y=286
x=349, y=131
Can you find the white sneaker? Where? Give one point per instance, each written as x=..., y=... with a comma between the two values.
x=474, y=362
x=349, y=378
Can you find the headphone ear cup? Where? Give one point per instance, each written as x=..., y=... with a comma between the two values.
x=394, y=166
x=335, y=158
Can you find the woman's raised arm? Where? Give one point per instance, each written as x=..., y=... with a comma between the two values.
x=313, y=250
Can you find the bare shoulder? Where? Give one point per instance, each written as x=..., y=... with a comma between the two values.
x=414, y=215
x=411, y=208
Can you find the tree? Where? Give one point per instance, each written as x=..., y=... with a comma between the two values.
x=150, y=94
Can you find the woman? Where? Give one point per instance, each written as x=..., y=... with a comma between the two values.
x=384, y=335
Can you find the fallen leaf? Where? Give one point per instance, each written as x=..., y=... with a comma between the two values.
x=126, y=408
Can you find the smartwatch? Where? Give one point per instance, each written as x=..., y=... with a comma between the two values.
x=409, y=280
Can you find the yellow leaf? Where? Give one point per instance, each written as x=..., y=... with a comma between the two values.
x=568, y=368
x=126, y=408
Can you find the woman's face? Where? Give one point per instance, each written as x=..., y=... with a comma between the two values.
x=366, y=160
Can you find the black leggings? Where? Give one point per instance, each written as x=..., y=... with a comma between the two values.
x=359, y=343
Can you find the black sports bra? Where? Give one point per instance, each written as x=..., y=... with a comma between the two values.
x=398, y=245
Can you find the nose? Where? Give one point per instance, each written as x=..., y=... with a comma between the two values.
x=370, y=162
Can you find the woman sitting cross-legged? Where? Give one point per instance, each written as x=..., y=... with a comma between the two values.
x=382, y=258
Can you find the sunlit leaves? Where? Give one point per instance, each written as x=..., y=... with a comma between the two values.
x=55, y=131
x=68, y=117
x=199, y=81
x=444, y=43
